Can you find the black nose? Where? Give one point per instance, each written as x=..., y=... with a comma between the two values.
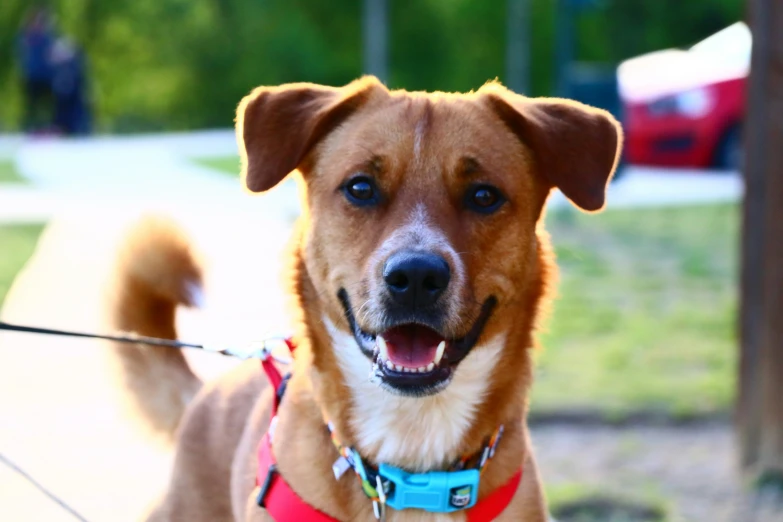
x=416, y=279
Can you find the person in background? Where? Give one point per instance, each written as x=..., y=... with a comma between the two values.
x=34, y=46
x=69, y=86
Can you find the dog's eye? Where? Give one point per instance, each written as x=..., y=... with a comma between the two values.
x=361, y=191
x=484, y=199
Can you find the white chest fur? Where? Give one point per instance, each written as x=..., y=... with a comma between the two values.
x=423, y=432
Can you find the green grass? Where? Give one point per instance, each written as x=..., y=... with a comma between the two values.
x=582, y=503
x=225, y=164
x=9, y=174
x=17, y=243
x=645, y=319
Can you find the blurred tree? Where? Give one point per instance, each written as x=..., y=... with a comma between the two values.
x=185, y=63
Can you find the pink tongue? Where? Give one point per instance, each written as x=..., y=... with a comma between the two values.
x=412, y=346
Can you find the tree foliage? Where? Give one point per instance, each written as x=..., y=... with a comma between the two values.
x=173, y=64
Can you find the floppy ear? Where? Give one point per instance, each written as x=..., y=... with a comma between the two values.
x=576, y=146
x=278, y=126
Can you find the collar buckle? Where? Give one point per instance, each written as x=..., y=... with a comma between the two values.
x=434, y=491
x=263, y=490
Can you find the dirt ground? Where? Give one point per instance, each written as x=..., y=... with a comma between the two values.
x=691, y=469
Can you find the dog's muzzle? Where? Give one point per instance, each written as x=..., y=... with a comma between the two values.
x=411, y=353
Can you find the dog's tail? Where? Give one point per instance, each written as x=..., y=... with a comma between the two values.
x=156, y=271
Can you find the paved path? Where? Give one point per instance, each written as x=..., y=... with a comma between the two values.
x=92, y=176
x=654, y=187
x=113, y=173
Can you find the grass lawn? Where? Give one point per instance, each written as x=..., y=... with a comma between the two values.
x=645, y=319
x=582, y=503
x=9, y=174
x=225, y=164
x=17, y=243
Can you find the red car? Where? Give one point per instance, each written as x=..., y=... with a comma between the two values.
x=685, y=108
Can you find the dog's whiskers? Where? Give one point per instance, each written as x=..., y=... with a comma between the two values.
x=321, y=294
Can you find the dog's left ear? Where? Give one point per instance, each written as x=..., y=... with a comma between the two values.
x=576, y=146
x=278, y=126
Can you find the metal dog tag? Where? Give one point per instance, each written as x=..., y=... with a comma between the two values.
x=340, y=466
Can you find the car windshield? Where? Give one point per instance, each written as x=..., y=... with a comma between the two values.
x=731, y=45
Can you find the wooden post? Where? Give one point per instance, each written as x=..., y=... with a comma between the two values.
x=760, y=400
x=374, y=28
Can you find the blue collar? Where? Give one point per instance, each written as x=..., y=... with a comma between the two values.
x=434, y=491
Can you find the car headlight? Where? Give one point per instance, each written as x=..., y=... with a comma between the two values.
x=694, y=103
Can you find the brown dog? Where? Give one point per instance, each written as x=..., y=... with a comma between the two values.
x=419, y=272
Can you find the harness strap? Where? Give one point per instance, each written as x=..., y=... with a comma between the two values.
x=284, y=505
x=493, y=505
x=276, y=496
x=274, y=375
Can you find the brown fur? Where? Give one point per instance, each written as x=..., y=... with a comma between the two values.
x=424, y=150
x=156, y=272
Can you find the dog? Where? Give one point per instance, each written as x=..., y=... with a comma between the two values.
x=419, y=272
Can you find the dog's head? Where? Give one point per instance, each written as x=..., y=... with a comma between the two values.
x=422, y=208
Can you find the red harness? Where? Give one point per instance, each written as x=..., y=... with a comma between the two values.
x=284, y=505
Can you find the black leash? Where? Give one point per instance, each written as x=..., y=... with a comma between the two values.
x=135, y=339
x=263, y=352
x=37, y=485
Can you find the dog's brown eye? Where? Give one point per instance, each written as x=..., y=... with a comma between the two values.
x=361, y=191
x=484, y=199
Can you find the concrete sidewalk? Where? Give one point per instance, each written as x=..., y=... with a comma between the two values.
x=117, y=174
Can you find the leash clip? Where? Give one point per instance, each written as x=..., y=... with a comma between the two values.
x=264, y=352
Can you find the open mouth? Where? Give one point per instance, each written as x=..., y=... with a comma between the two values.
x=415, y=359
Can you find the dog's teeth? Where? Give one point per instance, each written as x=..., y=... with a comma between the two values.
x=397, y=367
x=430, y=367
x=422, y=369
x=389, y=364
x=383, y=350
x=439, y=353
